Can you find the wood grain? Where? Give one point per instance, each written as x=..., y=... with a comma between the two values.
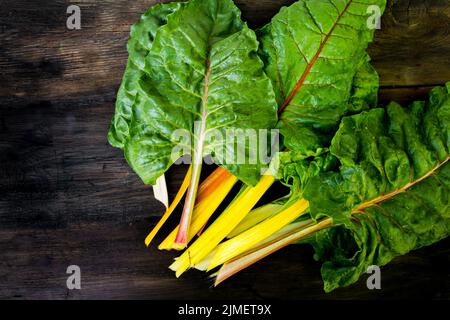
x=67, y=197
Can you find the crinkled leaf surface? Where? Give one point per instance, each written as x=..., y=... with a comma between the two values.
x=312, y=51
x=139, y=44
x=296, y=172
x=391, y=194
x=202, y=67
x=295, y=167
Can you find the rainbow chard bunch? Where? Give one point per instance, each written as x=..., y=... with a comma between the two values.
x=362, y=179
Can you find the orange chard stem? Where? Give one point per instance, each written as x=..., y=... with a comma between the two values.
x=211, y=183
x=205, y=189
x=203, y=210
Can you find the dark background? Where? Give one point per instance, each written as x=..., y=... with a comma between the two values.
x=67, y=197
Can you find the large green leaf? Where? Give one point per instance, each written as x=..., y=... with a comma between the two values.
x=139, y=44
x=295, y=167
x=312, y=51
x=391, y=194
x=202, y=67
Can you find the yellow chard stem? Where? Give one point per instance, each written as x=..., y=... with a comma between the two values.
x=171, y=208
x=227, y=221
x=209, y=201
x=199, y=233
x=256, y=216
x=246, y=240
x=203, y=265
x=247, y=259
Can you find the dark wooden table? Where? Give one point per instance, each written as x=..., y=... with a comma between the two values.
x=67, y=197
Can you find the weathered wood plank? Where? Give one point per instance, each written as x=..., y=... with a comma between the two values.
x=409, y=49
x=116, y=265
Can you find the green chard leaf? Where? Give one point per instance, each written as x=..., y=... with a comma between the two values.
x=314, y=51
x=139, y=44
x=294, y=168
x=391, y=193
x=201, y=74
